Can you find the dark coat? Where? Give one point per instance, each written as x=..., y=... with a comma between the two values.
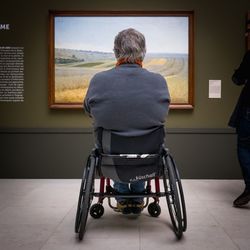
x=241, y=76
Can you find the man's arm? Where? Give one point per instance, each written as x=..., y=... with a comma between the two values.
x=86, y=107
x=86, y=104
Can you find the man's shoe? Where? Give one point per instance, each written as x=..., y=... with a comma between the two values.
x=123, y=207
x=243, y=199
x=137, y=207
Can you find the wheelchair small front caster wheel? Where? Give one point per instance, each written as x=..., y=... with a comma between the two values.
x=97, y=210
x=154, y=209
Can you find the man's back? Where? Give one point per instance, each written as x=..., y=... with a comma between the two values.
x=128, y=99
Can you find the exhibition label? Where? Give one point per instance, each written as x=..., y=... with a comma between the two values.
x=11, y=74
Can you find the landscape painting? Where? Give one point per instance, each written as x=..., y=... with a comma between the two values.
x=81, y=45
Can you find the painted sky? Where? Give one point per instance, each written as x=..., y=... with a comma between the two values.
x=163, y=34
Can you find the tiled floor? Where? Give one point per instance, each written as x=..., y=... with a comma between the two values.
x=40, y=214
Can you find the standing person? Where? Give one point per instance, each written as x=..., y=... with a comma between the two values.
x=240, y=120
x=128, y=100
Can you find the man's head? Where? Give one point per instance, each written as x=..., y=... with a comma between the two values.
x=130, y=46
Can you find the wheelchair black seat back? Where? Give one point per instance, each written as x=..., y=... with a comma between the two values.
x=130, y=168
x=129, y=159
x=111, y=142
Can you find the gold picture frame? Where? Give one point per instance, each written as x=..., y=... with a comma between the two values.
x=77, y=51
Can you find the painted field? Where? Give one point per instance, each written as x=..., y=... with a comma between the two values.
x=73, y=74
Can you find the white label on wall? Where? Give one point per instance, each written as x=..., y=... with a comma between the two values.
x=214, y=89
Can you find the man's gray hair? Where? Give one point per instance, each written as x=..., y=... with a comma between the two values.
x=130, y=46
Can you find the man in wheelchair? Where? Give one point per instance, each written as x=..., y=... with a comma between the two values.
x=129, y=106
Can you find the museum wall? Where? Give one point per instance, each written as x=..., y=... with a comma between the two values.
x=37, y=142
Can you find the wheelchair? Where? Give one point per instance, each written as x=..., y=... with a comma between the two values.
x=120, y=163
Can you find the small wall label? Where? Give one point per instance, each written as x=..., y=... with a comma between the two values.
x=214, y=89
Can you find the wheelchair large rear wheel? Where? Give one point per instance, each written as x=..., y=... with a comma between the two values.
x=174, y=196
x=85, y=197
x=181, y=196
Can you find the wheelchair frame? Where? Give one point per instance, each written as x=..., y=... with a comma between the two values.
x=172, y=191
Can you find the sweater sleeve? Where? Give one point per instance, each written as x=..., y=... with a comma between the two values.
x=86, y=102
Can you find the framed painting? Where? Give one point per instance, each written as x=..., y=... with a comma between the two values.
x=81, y=45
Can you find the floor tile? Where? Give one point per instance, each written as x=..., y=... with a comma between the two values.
x=24, y=237
x=30, y=215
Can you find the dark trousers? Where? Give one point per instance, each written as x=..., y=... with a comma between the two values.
x=243, y=146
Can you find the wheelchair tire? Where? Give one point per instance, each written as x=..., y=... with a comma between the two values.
x=154, y=209
x=172, y=196
x=85, y=197
x=181, y=196
x=97, y=210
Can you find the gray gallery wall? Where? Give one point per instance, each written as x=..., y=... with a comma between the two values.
x=37, y=142
x=61, y=153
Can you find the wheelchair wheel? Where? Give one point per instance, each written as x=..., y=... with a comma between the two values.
x=181, y=196
x=174, y=196
x=154, y=209
x=85, y=197
x=97, y=210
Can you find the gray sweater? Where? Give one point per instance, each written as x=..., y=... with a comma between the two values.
x=128, y=100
